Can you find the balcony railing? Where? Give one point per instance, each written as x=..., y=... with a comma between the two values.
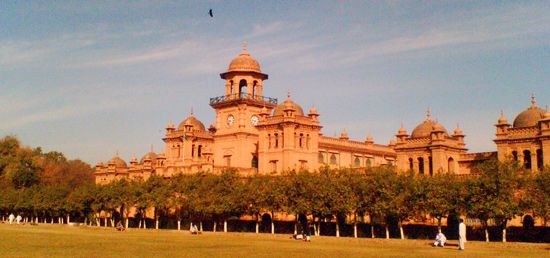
x=231, y=97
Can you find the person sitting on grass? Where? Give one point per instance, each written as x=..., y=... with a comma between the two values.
x=194, y=230
x=120, y=227
x=440, y=239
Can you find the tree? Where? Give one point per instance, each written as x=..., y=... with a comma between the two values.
x=443, y=196
x=538, y=199
x=495, y=194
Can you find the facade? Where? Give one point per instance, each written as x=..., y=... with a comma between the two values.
x=256, y=134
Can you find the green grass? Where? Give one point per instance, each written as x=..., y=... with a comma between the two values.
x=65, y=241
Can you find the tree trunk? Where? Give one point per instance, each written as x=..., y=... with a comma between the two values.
x=272, y=227
x=387, y=232
x=401, y=231
x=68, y=218
x=314, y=229
x=105, y=219
x=112, y=222
x=319, y=227
x=179, y=225
x=439, y=225
x=145, y=223
x=224, y=225
x=257, y=225
x=371, y=230
x=295, y=228
x=139, y=223
x=126, y=226
x=355, y=225
x=337, y=228
x=215, y=226
x=504, y=234
x=200, y=226
x=486, y=234
x=190, y=226
x=156, y=222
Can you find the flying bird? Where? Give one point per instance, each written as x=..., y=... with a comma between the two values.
x=210, y=12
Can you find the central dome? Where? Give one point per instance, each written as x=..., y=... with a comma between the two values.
x=531, y=116
x=280, y=109
x=424, y=129
x=244, y=63
x=118, y=162
x=191, y=120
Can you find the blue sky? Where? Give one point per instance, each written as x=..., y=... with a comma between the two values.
x=90, y=78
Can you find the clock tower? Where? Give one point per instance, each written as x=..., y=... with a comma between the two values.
x=238, y=112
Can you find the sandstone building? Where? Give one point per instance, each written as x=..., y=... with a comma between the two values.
x=257, y=134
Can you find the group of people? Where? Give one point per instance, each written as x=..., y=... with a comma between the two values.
x=13, y=219
x=440, y=238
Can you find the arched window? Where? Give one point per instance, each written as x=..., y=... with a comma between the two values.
x=321, y=158
x=451, y=165
x=254, y=162
x=527, y=159
x=199, y=151
x=193, y=150
x=357, y=162
x=540, y=163
x=421, y=166
x=333, y=159
x=231, y=89
x=301, y=139
x=411, y=164
x=369, y=162
x=269, y=141
x=515, y=155
x=242, y=89
x=276, y=140
x=254, y=89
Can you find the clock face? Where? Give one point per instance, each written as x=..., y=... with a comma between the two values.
x=230, y=120
x=254, y=120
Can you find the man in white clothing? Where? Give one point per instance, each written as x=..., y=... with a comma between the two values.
x=11, y=218
x=440, y=239
x=18, y=219
x=461, y=234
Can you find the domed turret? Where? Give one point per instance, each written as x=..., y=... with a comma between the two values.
x=148, y=157
x=425, y=128
x=344, y=135
x=243, y=63
x=288, y=104
x=530, y=116
x=192, y=122
x=458, y=131
x=502, y=118
x=118, y=162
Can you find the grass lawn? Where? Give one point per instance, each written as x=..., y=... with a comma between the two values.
x=65, y=241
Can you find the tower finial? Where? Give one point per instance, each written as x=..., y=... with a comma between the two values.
x=151, y=147
x=245, y=46
x=192, y=113
x=428, y=113
x=288, y=94
x=533, y=101
x=501, y=112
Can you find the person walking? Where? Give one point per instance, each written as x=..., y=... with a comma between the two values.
x=461, y=234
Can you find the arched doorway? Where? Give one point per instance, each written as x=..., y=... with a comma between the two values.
x=527, y=159
x=451, y=165
x=421, y=166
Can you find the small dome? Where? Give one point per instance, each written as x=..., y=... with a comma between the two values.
x=244, y=63
x=152, y=156
x=344, y=135
x=118, y=162
x=191, y=120
x=170, y=125
x=402, y=130
x=458, y=131
x=279, y=110
x=502, y=118
x=133, y=160
x=369, y=138
x=313, y=111
x=99, y=164
x=161, y=156
x=424, y=129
